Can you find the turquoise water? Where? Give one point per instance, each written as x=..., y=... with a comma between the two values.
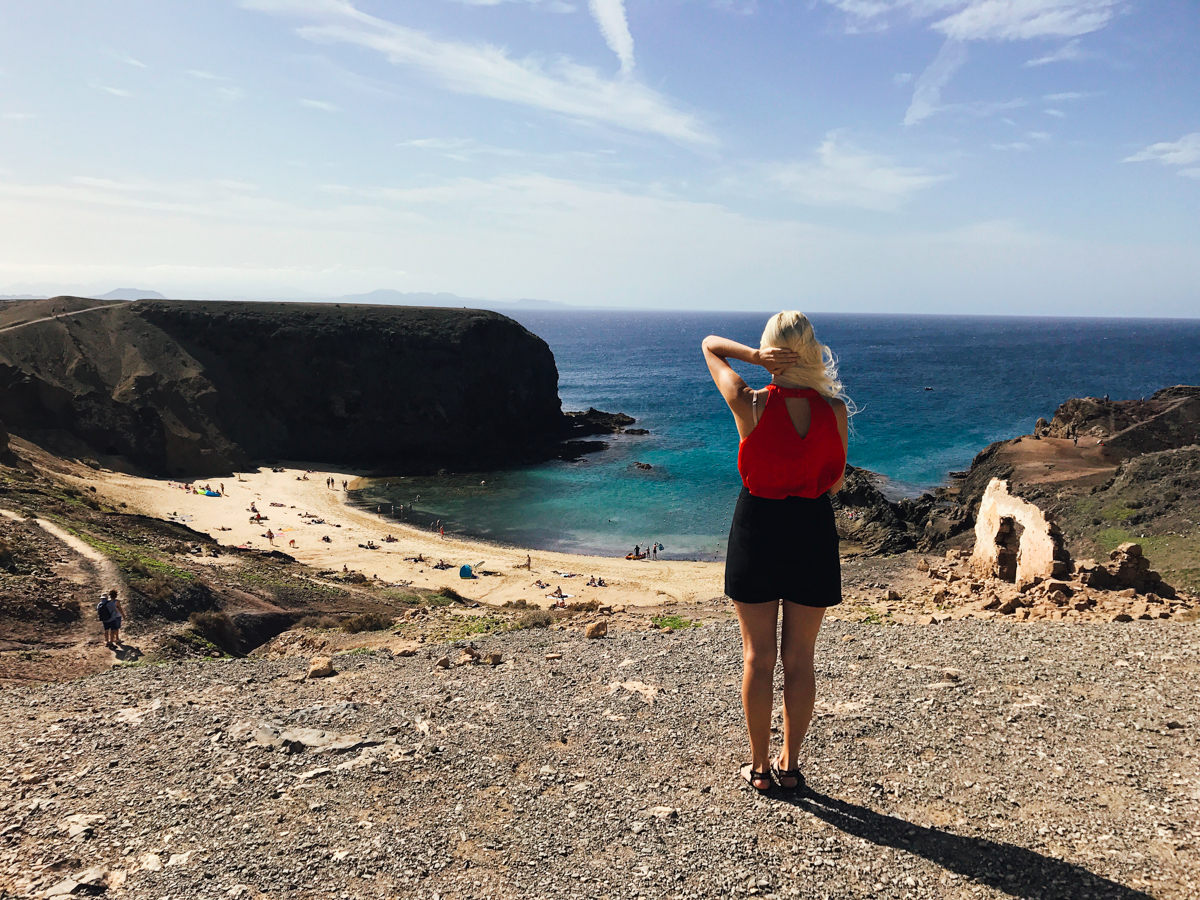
x=991, y=379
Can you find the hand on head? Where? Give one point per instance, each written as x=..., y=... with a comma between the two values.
x=777, y=360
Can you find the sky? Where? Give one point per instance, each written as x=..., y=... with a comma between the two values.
x=1033, y=157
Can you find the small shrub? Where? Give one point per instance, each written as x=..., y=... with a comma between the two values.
x=446, y=595
x=584, y=606
x=158, y=588
x=372, y=621
x=518, y=604
x=7, y=557
x=319, y=623
x=218, y=629
x=535, y=618
x=675, y=622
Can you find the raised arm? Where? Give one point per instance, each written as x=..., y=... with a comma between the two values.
x=717, y=353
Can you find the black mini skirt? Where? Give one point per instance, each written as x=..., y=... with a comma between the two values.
x=783, y=550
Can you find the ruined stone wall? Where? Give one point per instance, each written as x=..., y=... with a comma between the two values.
x=1040, y=543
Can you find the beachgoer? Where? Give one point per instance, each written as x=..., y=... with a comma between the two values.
x=442, y=532
x=528, y=562
x=222, y=489
x=783, y=543
x=111, y=615
x=270, y=535
x=637, y=550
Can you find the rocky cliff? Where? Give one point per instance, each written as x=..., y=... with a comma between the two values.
x=201, y=388
x=1168, y=420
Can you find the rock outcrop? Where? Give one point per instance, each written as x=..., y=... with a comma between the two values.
x=202, y=388
x=1168, y=420
x=1127, y=569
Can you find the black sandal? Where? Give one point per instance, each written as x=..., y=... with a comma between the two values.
x=788, y=773
x=749, y=776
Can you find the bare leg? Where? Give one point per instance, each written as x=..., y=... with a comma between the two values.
x=800, y=627
x=758, y=622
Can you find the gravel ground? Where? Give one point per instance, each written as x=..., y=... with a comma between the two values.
x=972, y=759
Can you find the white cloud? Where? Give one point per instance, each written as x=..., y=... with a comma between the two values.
x=18, y=116
x=1189, y=173
x=206, y=76
x=979, y=20
x=116, y=92
x=737, y=7
x=610, y=16
x=1040, y=135
x=323, y=105
x=1022, y=20
x=927, y=96
x=1068, y=52
x=130, y=61
x=842, y=175
x=901, y=78
x=557, y=6
x=484, y=70
x=536, y=236
x=1015, y=145
x=1070, y=95
x=1057, y=113
x=1182, y=152
x=985, y=20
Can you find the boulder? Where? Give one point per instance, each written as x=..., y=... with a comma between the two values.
x=596, y=629
x=321, y=667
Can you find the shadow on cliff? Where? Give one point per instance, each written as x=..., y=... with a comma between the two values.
x=1013, y=870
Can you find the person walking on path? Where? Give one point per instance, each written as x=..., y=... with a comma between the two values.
x=783, y=543
x=111, y=615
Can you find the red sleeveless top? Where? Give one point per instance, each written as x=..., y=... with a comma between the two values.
x=775, y=462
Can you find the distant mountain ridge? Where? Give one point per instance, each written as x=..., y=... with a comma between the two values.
x=442, y=299
x=382, y=296
x=130, y=294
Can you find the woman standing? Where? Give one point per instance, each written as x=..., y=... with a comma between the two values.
x=783, y=544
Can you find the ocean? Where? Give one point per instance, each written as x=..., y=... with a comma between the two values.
x=932, y=391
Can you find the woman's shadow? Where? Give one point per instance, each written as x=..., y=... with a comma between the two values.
x=1014, y=870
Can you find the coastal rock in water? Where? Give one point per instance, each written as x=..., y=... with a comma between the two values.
x=205, y=388
x=594, y=421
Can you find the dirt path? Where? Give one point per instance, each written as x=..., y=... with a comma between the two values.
x=62, y=316
x=90, y=646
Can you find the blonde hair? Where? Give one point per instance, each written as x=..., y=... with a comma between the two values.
x=816, y=368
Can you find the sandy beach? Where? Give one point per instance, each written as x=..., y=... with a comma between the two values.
x=284, y=498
